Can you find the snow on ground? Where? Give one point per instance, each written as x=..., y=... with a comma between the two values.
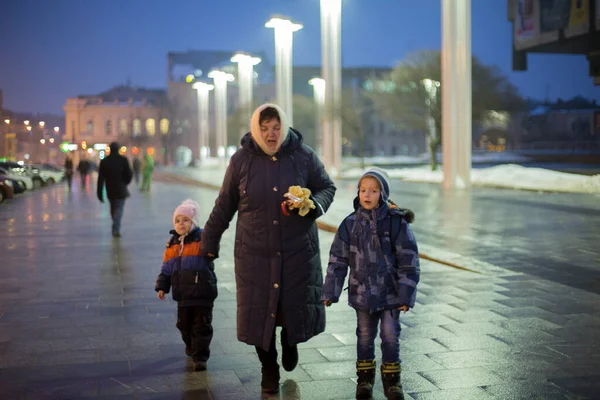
x=508, y=176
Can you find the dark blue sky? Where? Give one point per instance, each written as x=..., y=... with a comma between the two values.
x=54, y=49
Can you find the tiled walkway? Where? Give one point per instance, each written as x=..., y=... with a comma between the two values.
x=79, y=319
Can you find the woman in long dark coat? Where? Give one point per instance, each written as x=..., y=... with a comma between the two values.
x=277, y=262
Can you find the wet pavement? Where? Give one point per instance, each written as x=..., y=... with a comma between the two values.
x=79, y=317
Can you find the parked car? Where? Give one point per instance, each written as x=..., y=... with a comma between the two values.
x=18, y=186
x=17, y=175
x=6, y=189
x=50, y=175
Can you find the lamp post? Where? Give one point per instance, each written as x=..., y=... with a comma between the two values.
x=322, y=141
x=431, y=87
x=246, y=65
x=331, y=71
x=456, y=97
x=284, y=36
x=203, y=91
x=220, y=79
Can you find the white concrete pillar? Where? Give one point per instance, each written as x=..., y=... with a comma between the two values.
x=203, y=92
x=321, y=141
x=284, y=36
x=220, y=79
x=456, y=93
x=331, y=71
x=246, y=65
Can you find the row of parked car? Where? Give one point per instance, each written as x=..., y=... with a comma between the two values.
x=17, y=178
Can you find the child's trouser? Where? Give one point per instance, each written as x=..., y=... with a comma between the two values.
x=389, y=321
x=195, y=325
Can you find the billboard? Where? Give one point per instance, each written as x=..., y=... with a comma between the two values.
x=570, y=16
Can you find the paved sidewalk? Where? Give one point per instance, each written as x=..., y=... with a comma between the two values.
x=79, y=319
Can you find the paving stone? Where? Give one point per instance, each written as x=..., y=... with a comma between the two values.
x=100, y=332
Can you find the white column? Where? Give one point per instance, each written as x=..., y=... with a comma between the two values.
x=203, y=91
x=284, y=35
x=220, y=79
x=331, y=71
x=246, y=65
x=321, y=141
x=456, y=93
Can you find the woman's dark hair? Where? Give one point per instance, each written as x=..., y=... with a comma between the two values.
x=268, y=114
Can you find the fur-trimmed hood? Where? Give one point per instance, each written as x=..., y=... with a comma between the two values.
x=255, y=128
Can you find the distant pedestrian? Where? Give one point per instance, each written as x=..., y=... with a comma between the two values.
x=193, y=281
x=137, y=166
x=69, y=171
x=115, y=172
x=376, y=242
x=147, y=169
x=83, y=168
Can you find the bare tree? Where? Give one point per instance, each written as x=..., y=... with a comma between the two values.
x=407, y=99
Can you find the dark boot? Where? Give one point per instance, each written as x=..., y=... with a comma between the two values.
x=289, y=356
x=270, y=370
x=365, y=370
x=390, y=376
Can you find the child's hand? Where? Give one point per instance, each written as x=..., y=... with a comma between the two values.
x=327, y=303
x=161, y=294
x=403, y=308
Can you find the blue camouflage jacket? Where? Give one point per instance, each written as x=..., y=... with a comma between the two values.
x=383, y=275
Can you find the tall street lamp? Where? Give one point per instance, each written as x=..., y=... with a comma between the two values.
x=331, y=71
x=431, y=87
x=321, y=141
x=284, y=30
x=456, y=96
x=246, y=65
x=220, y=79
x=203, y=91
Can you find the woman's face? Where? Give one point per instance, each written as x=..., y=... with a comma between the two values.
x=270, y=131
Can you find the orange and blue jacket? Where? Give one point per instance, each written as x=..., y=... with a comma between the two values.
x=191, y=275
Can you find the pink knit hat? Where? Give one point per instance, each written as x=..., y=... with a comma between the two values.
x=189, y=208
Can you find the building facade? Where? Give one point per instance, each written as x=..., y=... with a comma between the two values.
x=139, y=119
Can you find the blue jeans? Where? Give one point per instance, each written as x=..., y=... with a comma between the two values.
x=116, y=213
x=390, y=335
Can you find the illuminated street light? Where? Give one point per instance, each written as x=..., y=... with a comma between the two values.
x=203, y=91
x=28, y=128
x=7, y=121
x=43, y=141
x=56, y=129
x=42, y=123
x=322, y=141
x=331, y=71
x=431, y=87
x=284, y=29
x=456, y=96
x=26, y=122
x=220, y=79
x=51, y=140
x=246, y=65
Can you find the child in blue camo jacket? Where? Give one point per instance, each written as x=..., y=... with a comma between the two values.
x=378, y=245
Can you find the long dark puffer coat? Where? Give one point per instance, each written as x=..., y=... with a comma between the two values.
x=277, y=260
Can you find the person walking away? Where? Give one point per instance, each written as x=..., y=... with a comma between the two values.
x=194, y=283
x=83, y=168
x=69, y=171
x=376, y=242
x=137, y=165
x=114, y=172
x=147, y=169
